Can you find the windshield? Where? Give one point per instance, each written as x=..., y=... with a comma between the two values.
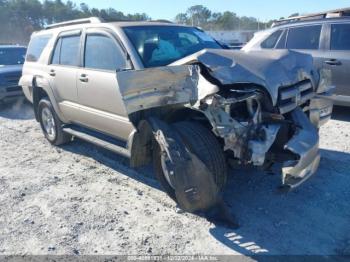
x=12, y=56
x=163, y=45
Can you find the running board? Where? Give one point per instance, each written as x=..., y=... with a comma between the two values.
x=98, y=142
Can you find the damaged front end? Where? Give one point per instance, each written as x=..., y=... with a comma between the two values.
x=253, y=134
x=304, y=145
x=263, y=107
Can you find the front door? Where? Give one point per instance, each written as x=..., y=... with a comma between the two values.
x=102, y=107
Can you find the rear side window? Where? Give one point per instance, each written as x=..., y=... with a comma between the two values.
x=66, y=51
x=36, y=47
x=101, y=52
x=271, y=41
x=70, y=50
x=340, y=38
x=307, y=37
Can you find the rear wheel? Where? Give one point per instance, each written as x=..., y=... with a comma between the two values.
x=201, y=142
x=50, y=123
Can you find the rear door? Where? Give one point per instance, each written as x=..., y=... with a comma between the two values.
x=308, y=39
x=338, y=56
x=102, y=107
x=63, y=70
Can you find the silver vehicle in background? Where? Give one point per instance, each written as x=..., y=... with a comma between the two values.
x=325, y=36
x=171, y=94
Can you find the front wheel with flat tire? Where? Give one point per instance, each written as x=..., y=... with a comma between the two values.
x=51, y=124
x=201, y=142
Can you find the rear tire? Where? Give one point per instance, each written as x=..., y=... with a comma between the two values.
x=201, y=142
x=51, y=124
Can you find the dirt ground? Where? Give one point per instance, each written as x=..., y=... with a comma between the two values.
x=79, y=199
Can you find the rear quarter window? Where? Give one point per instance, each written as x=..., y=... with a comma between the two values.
x=36, y=47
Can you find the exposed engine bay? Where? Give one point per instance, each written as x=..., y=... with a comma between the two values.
x=259, y=106
x=255, y=135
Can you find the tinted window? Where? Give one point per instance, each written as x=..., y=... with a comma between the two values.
x=69, y=54
x=163, y=45
x=282, y=42
x=102, y=52
x=36, y=47
x=12, y=56
x=340, y=39
x=307, y=37
x=271, y=41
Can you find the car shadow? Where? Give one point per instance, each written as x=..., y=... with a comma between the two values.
x=17, y=109
x=310, y=220
x=306, y=221
x=113, y=161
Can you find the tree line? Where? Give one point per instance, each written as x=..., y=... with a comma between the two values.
x=201, y=16
x=19, y=18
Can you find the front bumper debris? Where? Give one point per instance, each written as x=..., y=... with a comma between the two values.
x=305, y=146
x=321, y=108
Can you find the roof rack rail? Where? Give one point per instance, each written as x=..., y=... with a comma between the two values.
x=161, y=21
x=90, y=20
x=321, y=15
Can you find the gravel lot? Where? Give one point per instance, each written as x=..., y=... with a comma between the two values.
x=79, y=199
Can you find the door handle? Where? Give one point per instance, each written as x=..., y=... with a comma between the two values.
x=84, y=78
x=52, y=72
x=333, y=62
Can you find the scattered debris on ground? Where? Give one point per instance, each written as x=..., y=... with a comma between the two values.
x=79, y=199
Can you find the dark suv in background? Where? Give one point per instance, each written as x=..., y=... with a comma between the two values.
x=11, y=62
x=326, y=36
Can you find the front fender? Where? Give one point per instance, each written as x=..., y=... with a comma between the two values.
x=157, y=87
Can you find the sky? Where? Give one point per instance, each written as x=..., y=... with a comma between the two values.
x=264, y=10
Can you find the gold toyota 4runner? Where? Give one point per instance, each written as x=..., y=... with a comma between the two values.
x=156, y=91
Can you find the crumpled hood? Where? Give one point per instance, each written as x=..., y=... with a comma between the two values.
x=268, y=68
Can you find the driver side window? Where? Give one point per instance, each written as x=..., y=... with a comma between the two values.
x=103, y=53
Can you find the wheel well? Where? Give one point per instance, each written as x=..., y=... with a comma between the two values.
x=38, y=94
x=186, y=114
x=170, y=114
x=142, y=145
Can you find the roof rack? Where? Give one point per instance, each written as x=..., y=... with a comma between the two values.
x=327, y=14
x=161, y=21
x=90, y=20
